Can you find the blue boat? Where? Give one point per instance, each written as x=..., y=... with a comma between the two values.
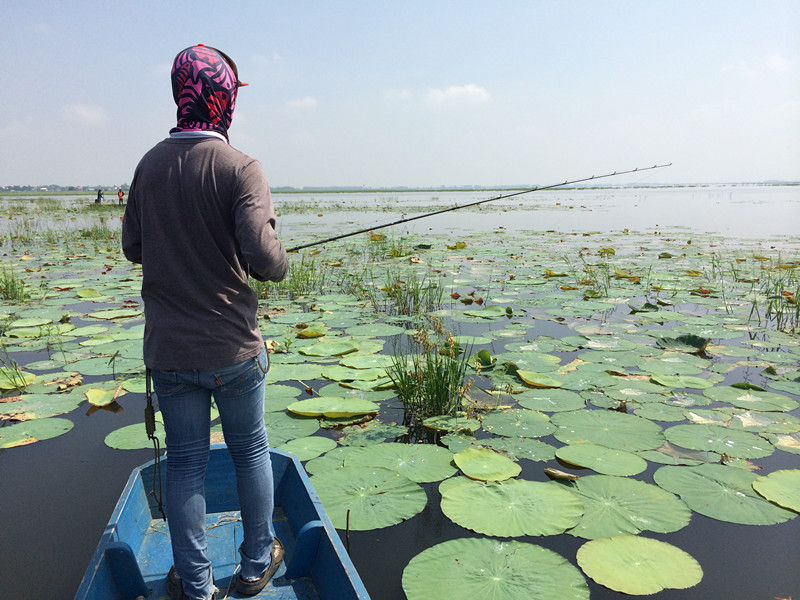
x=134, y=554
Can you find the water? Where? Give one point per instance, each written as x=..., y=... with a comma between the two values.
x=57, y=495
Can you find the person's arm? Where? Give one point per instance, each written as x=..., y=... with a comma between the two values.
x=254, y=217
x=131, y=229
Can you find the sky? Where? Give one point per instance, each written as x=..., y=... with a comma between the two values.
x=414, y=93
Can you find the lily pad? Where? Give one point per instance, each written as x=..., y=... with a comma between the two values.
x=373, y=497
x=607, y=428
x=488, y=569
x=333, y=407
x=608, y=461
x=734, y=443
x=638, y=566
x=421, y=463
x=615, y=505
x=510, y=508
x=518, y=422
x=550, y=400
x=307, y=448
x=752, y=399
x=781, y=487
x=722, y=493
x=36, y=430
x=693, y=344
x=485, y=464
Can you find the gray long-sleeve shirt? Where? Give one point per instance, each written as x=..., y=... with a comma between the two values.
x=200, y=220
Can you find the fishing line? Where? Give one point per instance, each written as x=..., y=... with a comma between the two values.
x=476, y=203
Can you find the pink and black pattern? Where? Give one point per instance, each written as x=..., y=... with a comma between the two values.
x=204, y=87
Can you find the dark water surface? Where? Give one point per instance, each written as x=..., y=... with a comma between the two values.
x=56, y=496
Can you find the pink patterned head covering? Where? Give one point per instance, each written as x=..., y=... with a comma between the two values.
x=204, y=84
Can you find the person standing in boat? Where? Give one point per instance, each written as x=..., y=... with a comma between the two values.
x=121, y=196
x=200, y=220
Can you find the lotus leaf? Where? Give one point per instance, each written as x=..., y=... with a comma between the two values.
x=488, y=569
x=373, y=497
x=331, y=348
x=308, y=447
x=102, y=397
x=721, y=493
x=550, y=400
x=518, y=447
x=638, y=566
x=608, y=461
x=29, y=432
x=692, y=344
x=485, y=464
x=331, y=460
x=282, y=427
x=734, y=443
x=752, y=399
x=421, y=463
x=682, y=381
x=614, y=505
x=447, y=423
x=490, y=312
x=333, y=407
x=510, y=508
x=518, y=422
x=371, y=433
x=781, y=487
x=11, y=378
x=132, y=437
x=607, y=428
x=539, y=380
x=374, y=330
x=788, y=442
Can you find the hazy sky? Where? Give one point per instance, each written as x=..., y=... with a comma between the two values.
x=413, y=93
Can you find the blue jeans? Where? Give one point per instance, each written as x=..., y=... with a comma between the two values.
x=184, y=398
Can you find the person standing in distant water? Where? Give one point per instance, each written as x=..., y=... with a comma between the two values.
x=200, y=220
x=121, y=196
x=99, y=198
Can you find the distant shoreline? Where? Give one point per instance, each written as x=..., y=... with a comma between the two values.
x=402, y=189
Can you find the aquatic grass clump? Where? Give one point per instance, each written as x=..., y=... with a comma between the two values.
x=304, y=277
x=12, y=287
x=432, y=380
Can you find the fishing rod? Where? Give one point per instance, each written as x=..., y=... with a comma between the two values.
x=476, y=203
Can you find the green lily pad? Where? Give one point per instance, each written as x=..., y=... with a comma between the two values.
x=36, y=430
x=485, y=464
x=331, y=348
x=488, y=569
x=282, y=427
x=308, y=447
x=550, y=400
x=781, y=488
x=682, y=381
x=638, y=566
x=333, y=407
x=752, y=399
x=608, y=461
x=374, y=330
x=607, y=428
x=692, y=344
x=490, y=312
x=447, y=423
x=722, y=493
x=373, y=497
x=518, y=447
x=133, y=437
x=539, y=380
x=615, y=505
x=420, y=463
x=734, y=443
x=518, y=422
x=510, y=508
x=372, y=433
